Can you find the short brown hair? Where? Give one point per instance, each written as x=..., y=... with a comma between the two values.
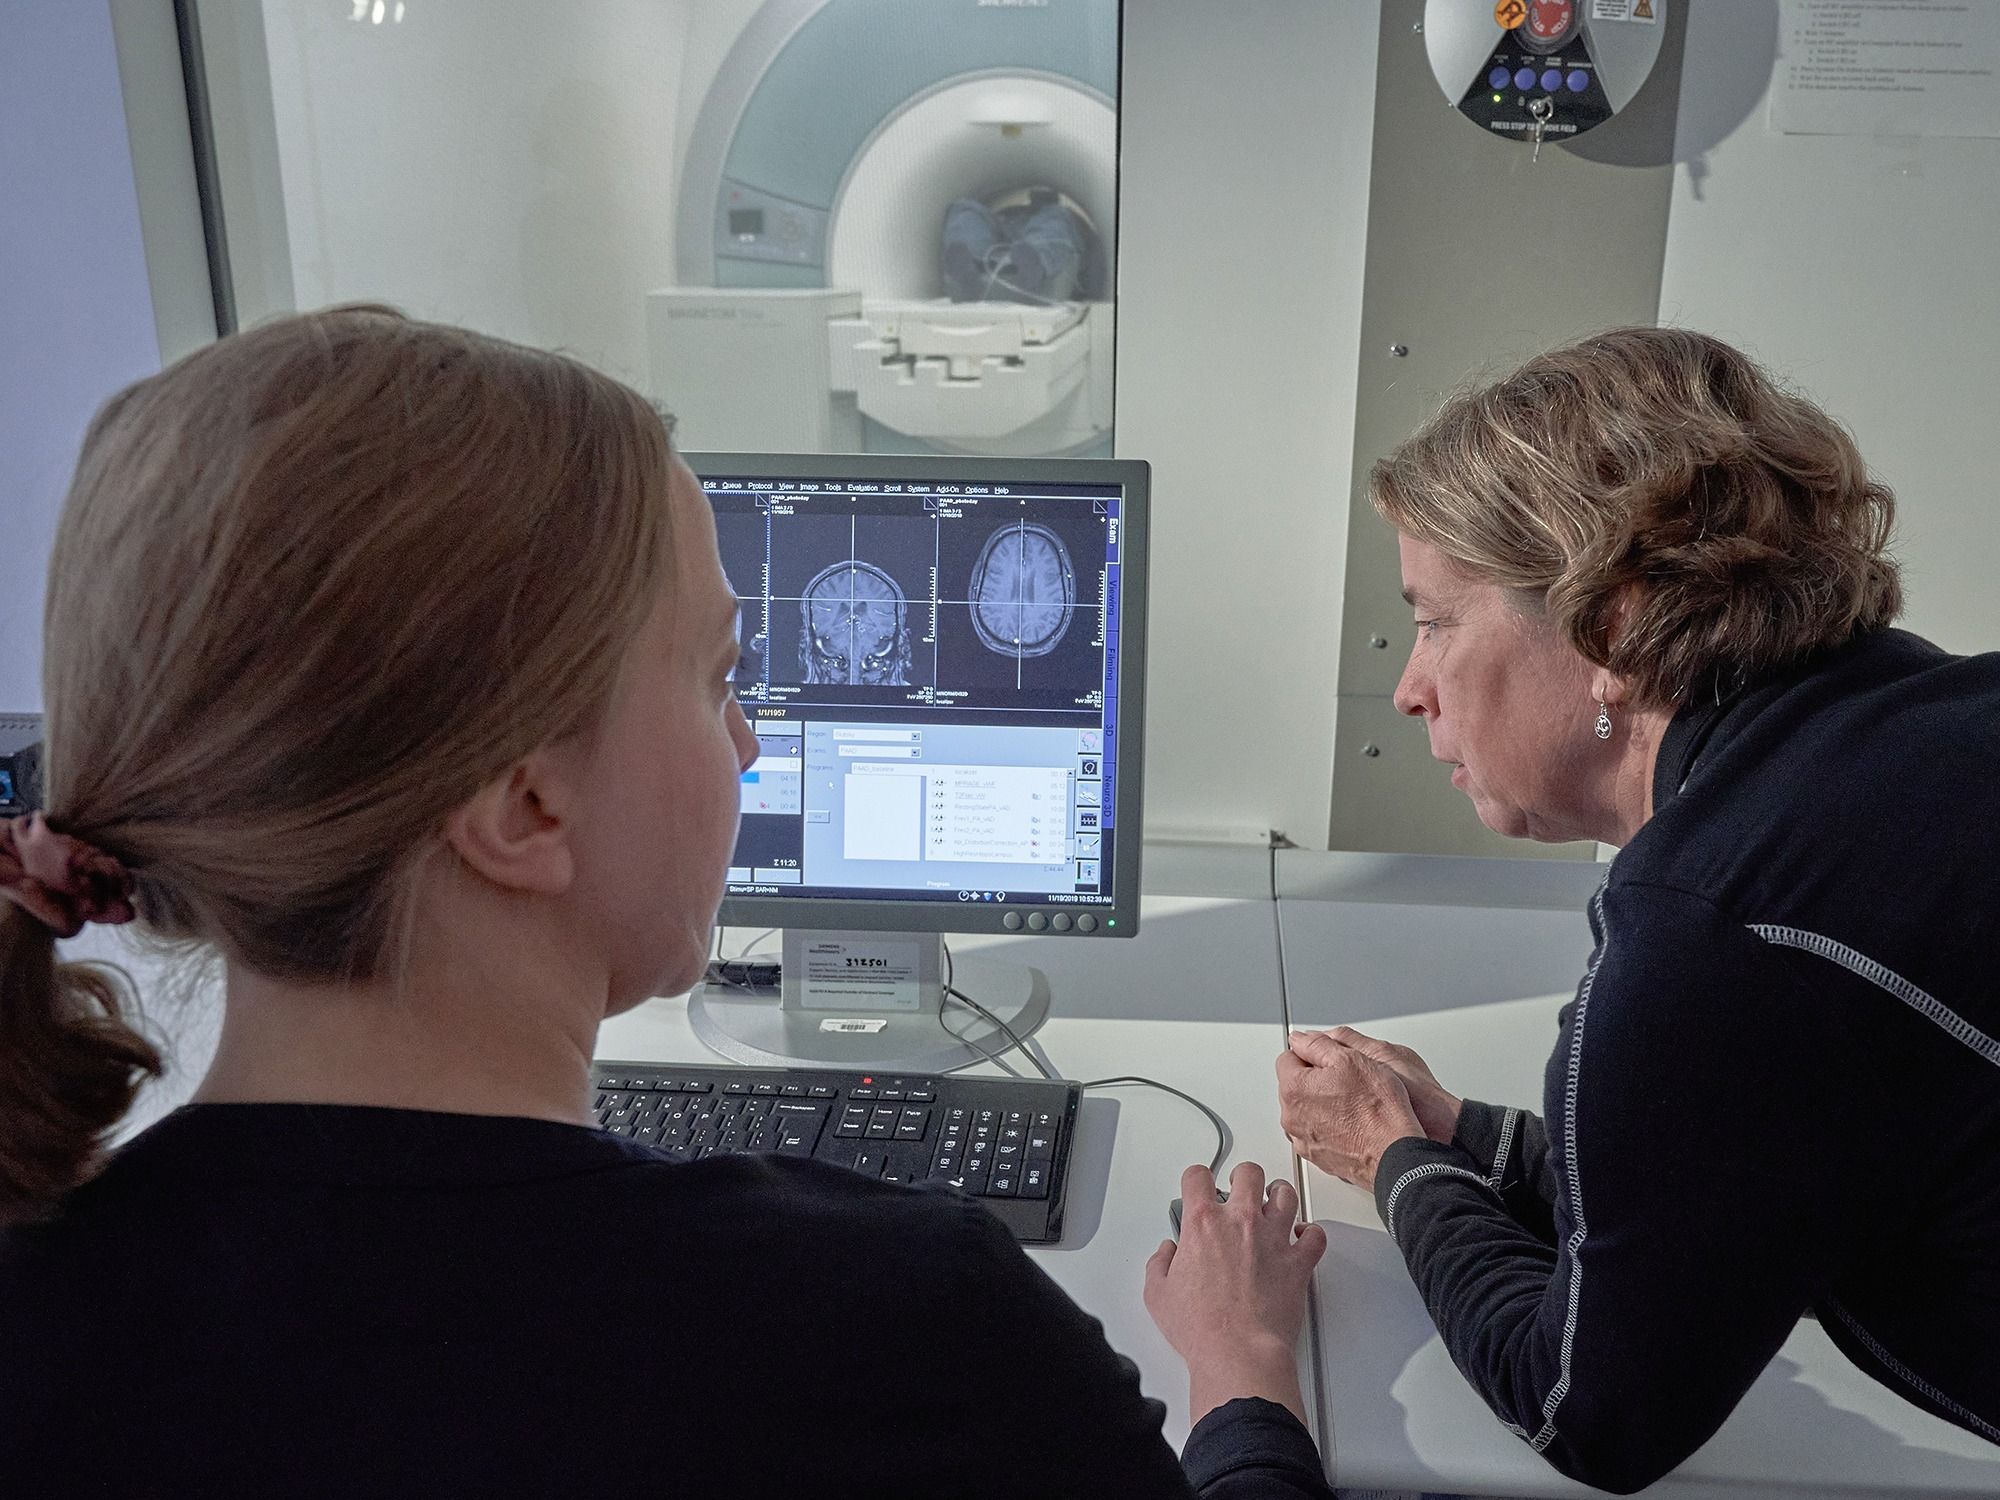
x=1678, y=516
x=312, y=587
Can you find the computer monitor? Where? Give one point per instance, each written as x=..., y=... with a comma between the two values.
x=944, y=662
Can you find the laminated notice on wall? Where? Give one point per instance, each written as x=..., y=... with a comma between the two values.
x=1887, y=67
x=874, y=974
x=1644, y=11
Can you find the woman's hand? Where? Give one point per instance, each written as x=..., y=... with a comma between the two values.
x=1437, y=1110
x=1342, y=1108
x=1230, y=1297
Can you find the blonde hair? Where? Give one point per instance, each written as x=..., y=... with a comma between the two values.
x=312, y=587
x=1678, y=517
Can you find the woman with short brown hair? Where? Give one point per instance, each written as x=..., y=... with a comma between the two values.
x=1653, y=602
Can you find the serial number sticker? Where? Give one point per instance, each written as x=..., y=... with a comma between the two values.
x=852, y=1026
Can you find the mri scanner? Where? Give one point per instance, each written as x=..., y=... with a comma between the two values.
x=809, y=309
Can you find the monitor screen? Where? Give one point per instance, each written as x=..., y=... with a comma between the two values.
x=940, y=659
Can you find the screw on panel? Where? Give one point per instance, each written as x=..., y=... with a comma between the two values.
x=1371, y=751
x=1379, y=642
x=1399, y=350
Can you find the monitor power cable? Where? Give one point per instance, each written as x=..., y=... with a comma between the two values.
x=953, y=994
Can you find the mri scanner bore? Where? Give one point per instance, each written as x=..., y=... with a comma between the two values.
x=897, y=238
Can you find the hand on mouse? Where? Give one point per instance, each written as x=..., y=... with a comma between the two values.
x=1230, y=1297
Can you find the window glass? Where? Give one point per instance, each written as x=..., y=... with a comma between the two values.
x=814, y=225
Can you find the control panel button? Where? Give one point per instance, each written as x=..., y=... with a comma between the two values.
x=1037, y=921
x=1086, y=923
x=1552, y=79
x=1060, y=921
x=1578, y=80
x=1524, y=78
x=1012, y=921
x=1499, y=78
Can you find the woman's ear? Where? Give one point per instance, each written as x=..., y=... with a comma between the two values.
x=1608, y=688
x=515, y=831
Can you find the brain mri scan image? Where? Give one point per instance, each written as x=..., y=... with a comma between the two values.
x=1023, y=591
x=855, y=627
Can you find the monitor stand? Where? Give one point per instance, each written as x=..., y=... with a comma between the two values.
x=871, y=1000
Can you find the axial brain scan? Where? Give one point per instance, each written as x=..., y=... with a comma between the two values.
x=1023, y=591
x=855, y=627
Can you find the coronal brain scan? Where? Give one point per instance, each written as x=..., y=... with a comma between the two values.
x=855, y=627
x=1023, y=590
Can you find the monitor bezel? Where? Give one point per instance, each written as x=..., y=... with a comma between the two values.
x=874, y=914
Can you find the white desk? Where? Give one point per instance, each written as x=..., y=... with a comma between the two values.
x=1400, y=1416
x=1193, y=1001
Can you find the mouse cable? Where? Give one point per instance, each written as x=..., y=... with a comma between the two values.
x=952, y=993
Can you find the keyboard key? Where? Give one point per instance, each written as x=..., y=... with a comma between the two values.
x=861, y=1093
x=1042, y=1143
x=736, y=1088
x=794, y=1091
x=895, y=1176
x=764, y=1088
x=1004, y=1183
x=1044, y=1120
x=649, y=1134
x=969, y=1181
x=896, y=1094
x=958, y=1114
x=1017, y=1117
x=823, y=1091
x=797, y=1135
x=923, y=1096
x=870, y=1163
x=697, y=1086
x=1034, y=1180
x=1014, y=1133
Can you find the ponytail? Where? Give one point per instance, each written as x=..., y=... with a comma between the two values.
x=69, y=1067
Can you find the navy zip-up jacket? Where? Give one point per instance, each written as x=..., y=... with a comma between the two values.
x=1776, y=1091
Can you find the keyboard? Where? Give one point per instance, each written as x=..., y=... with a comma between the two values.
x=1005, y=1141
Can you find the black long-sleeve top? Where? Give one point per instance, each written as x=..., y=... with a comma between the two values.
x=1777, y=1088
x=312, y=1300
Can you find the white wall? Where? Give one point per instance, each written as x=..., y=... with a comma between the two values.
x=506, y=165
x=1864, y=269
x=76, y=311
x=1244, y=136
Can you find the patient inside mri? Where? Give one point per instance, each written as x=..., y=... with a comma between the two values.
x=1039, y=251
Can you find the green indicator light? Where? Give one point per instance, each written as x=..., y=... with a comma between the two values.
x=1112, y=923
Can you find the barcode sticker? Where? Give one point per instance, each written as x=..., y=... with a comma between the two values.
x=859, y=1028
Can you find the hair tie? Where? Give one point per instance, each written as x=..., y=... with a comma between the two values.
x=60, y=881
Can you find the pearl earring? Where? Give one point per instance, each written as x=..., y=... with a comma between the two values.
x=1603, y=722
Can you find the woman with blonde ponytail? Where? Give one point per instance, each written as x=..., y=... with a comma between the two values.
x=393, y=665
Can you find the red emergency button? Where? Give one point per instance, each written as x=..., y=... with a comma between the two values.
x=1549, y=21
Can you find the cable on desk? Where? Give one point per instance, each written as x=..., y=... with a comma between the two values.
x=1222, y=1139
x=1221, y=1129
x=952, y=992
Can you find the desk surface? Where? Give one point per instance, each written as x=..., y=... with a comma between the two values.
x=1120, y=1007
x=1401, y=1416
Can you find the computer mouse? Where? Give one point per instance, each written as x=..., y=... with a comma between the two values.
x=1174, y=1209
